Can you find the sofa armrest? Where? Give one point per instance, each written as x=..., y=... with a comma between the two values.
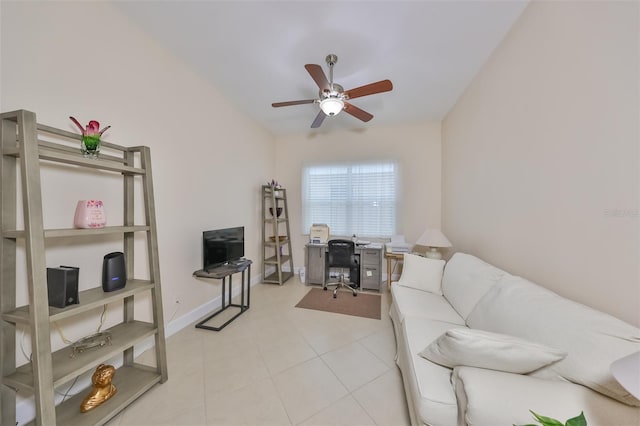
x=488, y=397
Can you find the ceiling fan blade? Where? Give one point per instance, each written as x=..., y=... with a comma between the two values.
x=289, y=103
x=369, y=89
x=318, y=75
x=357, y=112
x=318, y=120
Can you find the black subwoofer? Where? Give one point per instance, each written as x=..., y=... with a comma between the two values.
x=62, y=286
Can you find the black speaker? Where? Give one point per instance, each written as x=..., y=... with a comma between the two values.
x=62, y=286
x=114, y=272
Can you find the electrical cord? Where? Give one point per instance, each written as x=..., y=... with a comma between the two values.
x=62, y=336
x=29, y=357
x=24, y=352
x=61, y=333
x=102, y=318
x=66, y=394
x=175, y=311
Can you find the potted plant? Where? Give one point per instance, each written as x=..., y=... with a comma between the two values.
x=548, y=421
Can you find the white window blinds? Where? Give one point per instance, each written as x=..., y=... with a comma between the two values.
x=357, y=198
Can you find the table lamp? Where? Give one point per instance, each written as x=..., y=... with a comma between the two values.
x=626, y=371
x=434, y=239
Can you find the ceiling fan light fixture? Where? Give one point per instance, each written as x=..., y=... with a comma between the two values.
x=331, y=106
x=333, y=98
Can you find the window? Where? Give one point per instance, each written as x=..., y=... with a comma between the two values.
x=358, y=198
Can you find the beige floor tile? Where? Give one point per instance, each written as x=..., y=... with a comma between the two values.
x=171, y=417
x=234, y=371
x=344, y=412
x=278, y=365
x=220, y=346
x=308, y=388
x=257, y=404
x=280, y=354
x=186, y=362
x=272, y=328
x=181, y=396
x=328, y=339
x=383, y=345
x=354, y=365
x=383, y=399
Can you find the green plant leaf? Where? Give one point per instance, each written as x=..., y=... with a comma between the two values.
x=578, y=420
x=547, y=421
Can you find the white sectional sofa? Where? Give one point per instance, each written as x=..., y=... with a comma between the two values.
x=503, y=346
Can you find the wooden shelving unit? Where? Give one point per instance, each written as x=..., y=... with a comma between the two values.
x=276, y=236
x=21, y=145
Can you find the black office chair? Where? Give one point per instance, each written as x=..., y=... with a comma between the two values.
x=342, y=255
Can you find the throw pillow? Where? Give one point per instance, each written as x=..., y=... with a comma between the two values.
x=422, y=273
x=483, y=349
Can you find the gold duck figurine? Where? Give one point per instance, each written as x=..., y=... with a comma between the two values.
x=102, y=388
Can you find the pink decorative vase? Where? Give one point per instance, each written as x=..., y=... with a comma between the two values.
x=90, y=214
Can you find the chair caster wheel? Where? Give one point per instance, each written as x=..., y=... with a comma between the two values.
x=355, y=294
x=334, y=296
x=325, y=289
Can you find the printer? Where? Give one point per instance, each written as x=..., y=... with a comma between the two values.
x=319, y=233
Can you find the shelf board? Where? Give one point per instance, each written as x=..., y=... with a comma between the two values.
x=89, y=299
x=74, y=150
x=274, y=260
x=131, y=383
x=65, y=368
x=273, y=278
x=75, y=136
x=279, y=220
x=276, y=244
x=75, y=232
x=45, y=152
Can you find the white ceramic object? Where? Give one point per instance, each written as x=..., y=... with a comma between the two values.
x=90, y=214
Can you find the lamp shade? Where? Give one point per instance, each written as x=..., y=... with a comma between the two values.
x=331, y=106
x=626, y=371
x=433, y=238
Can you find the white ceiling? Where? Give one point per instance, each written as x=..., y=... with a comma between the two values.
x=254, y=52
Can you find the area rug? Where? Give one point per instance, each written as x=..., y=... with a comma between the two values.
x=363, y=305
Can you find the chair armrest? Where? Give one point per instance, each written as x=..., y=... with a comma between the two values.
x=488, y=397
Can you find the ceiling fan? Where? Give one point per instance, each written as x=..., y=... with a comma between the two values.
x=333, y=98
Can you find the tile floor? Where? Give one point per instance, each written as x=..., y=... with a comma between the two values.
x=278, y=365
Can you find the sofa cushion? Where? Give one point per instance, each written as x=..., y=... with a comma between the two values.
x=433, y=398
x=422, y=273
x=466, y=279
x=487, y=397
x=592, y=339
x=484, y=349
x=409, y=301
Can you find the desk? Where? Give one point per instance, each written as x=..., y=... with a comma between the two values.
x=389, y=255
x=222, y=272
x=369, y=260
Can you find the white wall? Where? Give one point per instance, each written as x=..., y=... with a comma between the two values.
x=416, y=148
x=86, y=59
x=540, y=155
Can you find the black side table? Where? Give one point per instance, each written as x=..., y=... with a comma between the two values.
x=222, y=272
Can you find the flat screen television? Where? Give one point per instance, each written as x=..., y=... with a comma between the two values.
x=221, y=246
